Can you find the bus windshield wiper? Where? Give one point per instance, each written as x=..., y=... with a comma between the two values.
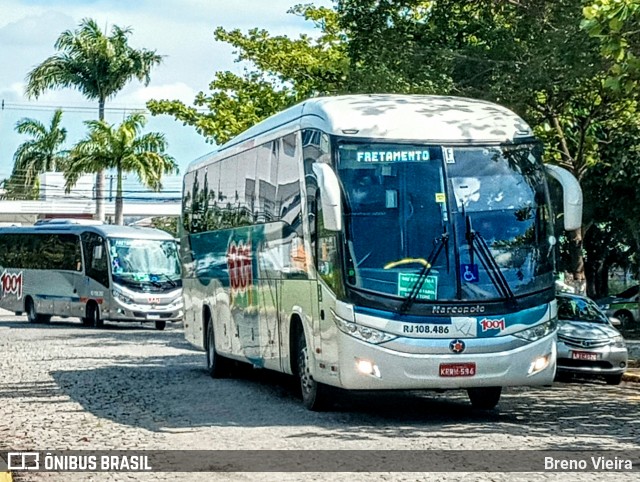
x=168, y=279
x=478, y=243
x=439, y=243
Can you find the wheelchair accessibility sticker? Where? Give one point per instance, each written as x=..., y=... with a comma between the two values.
x=469, y=273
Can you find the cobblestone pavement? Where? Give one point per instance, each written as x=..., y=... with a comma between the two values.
x=64, y=386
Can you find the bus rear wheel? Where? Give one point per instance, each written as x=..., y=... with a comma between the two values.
x=93, y=316
x=315, y=395
x=484, y=398
x=32, y=314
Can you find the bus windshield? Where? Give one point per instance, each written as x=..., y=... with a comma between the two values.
x=478, y=216
x=145, y=263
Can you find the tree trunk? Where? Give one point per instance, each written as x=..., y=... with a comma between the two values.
x=119, y=202
x=100, y=174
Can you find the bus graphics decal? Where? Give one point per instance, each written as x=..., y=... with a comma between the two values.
x=11, y=283
x=492, y=324
x=240, y=266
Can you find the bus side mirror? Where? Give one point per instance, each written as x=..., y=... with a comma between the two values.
x=571, y=196
x=97, y=252
x=330, y=196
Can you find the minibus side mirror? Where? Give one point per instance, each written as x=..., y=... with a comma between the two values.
x=97, y=252
x=330, y=196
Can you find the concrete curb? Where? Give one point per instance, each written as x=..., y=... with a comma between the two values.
x=6, y=477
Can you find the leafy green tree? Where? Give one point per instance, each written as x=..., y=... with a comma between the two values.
x=532, y=56
x=98, y=66
x=614, y=23
x=124, y=149
x=537, y=57
x=285, y=71
x=41, y=153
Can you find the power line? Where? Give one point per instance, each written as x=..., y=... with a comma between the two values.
x=27, y=107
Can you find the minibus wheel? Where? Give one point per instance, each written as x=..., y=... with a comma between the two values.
x=314, y=394
x=484, y=398
x=93, y=315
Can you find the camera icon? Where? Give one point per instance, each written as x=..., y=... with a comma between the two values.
x=23, y=461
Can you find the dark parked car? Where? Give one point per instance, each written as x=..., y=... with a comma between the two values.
x=588, y=344
x=623, y=306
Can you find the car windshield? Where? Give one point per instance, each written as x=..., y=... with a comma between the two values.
x=580, y=309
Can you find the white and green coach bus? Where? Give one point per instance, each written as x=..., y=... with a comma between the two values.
x=377, y=242
x=95, y=272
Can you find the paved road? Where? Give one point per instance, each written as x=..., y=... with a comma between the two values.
x=65, y=386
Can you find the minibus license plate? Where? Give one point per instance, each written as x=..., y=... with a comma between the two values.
x=457, y=369
x=584, y=355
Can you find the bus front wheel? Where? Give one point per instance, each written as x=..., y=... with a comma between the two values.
x=217, y=366
x=485, y=398
x=93, y=316
x=314, y=394
x=32, y=314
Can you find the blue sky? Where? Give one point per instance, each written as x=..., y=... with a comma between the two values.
x=181, y=30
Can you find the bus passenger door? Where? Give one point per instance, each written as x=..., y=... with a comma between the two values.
x=95, y=284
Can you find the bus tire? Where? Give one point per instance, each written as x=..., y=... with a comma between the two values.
x=32, y=314
x=93, y=315
x=314, y=394
x=161, y=325
x=217, y=366
x=484, y=398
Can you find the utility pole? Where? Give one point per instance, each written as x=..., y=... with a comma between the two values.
x=111, y=177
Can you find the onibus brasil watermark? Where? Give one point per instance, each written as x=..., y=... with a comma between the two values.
x=322, y=461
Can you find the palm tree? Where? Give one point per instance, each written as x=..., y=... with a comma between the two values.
x=122, y=149
x=98, y=66
x=39, y=154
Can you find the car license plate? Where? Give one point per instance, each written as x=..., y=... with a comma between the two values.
x=153, y=317
x=457, y=369
x=584, y=355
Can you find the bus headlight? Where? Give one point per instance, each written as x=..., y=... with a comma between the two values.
x=364, y=333
x=539, y=331
x=120, y=296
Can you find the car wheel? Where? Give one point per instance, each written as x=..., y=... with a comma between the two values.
x=161, y=324
x=485, y=398
x=613, y=379
x=625, y=318
x=314, y=394
x=93, y=316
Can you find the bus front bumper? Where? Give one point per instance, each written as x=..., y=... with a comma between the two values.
x=121, y=312
x=365, y=366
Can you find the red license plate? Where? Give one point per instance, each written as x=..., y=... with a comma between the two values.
x=584, y=355
x=457, y=369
